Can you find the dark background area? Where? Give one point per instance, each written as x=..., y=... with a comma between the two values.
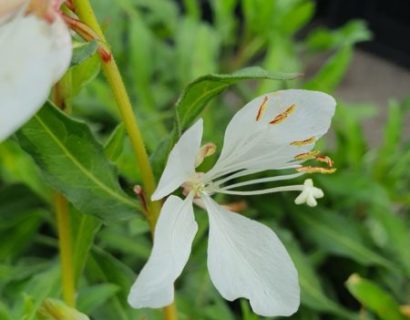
x=388, y=20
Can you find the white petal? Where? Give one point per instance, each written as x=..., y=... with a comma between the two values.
x=174, y=233
x=246, y=259
x=252, y=144
x=181, y=161
x=34, y=55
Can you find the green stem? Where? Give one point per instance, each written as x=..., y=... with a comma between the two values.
x=64, y=243
x=59, y=96
x=86, y=14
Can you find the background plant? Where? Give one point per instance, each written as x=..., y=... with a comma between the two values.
x=361, y=228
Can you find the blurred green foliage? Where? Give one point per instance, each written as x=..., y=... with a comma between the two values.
x=361, y=227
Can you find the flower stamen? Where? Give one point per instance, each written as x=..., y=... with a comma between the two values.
x=284, y=115
x=303, y=142
x=325, y=159
x=262, y=108
x=311, y=169
x=206, y=150
x=307, y=155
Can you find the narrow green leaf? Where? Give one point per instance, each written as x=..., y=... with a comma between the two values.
x=36, y=290
x=198, y=93
x=341, y=236
x=17, y=203
x=374, y=298
x=73, y=162
x=82, y=74
x=312, y=293
x=85, y=230
x=330, y=75
x=91, y=298
x=83, y=51
x=115, y=143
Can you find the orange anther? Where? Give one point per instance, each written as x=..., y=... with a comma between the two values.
x=310, y=169
x=307, y=155
x=262, y=108
x=303, y=142
x=282, y=116
x=326, y=160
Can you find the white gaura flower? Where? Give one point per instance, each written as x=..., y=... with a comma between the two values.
x=245, y=258
x=35, y=53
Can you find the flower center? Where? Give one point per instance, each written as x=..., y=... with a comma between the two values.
x=194, y=185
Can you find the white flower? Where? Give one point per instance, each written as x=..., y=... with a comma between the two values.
x=35, y=53
x=245, y=258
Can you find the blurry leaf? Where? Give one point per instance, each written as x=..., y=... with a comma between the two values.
x=4, y=312
x=16, y=166
x=118, y=240
x=197, y=50
x=52, y=309
x=115, y=143
x=312, y=294
x=85, y=228
x=35, y=291
x=350, y=138
x=351, y=33
x=82, y=74
x=391, y=140
x=114, y=271
x=371, y=296
x=298, y=17
x=339, y=235
x=247, y=314
x=90, y=298
x=73, y=162
x=259, y=16
x=333, y=71
x=83, y=51
x=16, y=239
x=17, y=203
x=102, y=266
x=225, y=18
x=281, y=55
x=192, y=9
x=398, y=234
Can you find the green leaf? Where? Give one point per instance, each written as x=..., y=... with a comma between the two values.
x=339, y=235
x=83, y=51
x=17, y=203
x=91, y=298
x=312, y=293
x=374, y=298
x=35, y=291
x=298, y=17
x=73, y=162
x=16, y=166
x=85, y=228
x=352, y=32
x=198, y=93
x=330, y=75
x=398, y=234
x=82, y=74
x=391, y=140
x=102, y=266
x=115, y=143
